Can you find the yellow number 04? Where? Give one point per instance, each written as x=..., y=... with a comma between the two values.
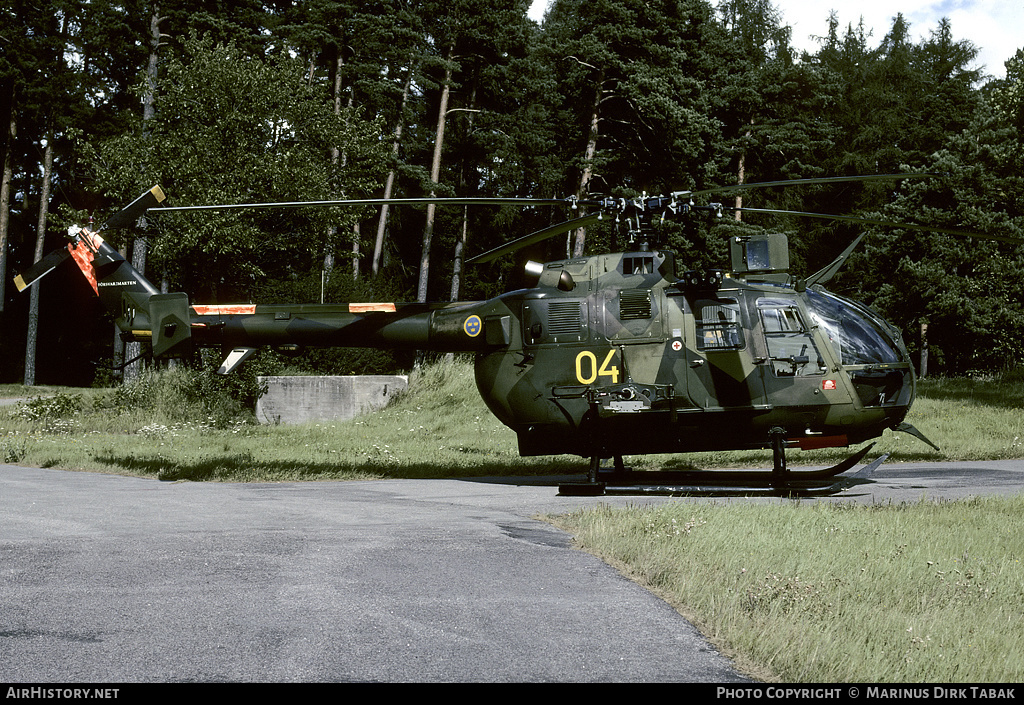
x=604, y=371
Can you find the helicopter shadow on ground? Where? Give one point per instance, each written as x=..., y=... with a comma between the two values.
x=244, y=466
x=561, y=475
x=792, y=488
x=688, y=483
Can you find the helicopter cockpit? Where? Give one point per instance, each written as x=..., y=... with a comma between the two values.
x=867, y=347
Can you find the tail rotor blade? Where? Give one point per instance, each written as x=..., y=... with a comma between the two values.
x=126, y=216
x=41, y=268
x=135, y=210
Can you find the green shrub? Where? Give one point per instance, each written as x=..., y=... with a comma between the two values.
x=12, y=450
x=182, y=393
x=54, y=414
x=58, y=406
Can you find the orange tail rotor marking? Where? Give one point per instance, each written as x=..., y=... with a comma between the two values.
x=82, y=252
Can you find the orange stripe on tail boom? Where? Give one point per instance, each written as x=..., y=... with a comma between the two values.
x=372, y=308
x=224, y=309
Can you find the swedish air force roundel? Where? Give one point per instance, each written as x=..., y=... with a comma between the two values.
x=473, y=326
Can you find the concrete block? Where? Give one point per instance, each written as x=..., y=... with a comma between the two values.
x=293, y=400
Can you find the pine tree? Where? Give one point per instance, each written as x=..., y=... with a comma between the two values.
x=635, y=103
x=966, y=289
x=230, y=129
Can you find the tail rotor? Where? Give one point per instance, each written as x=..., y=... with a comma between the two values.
x=84, y=245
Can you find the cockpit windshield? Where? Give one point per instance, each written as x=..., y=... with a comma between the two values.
x=859, y=336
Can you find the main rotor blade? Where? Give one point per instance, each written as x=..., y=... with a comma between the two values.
x=886, y=223
x=806, y=182
x=134, y=210
x=502, y=201
x=375, y=202
x=540, y=235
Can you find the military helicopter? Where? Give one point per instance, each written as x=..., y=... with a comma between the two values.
x=604, y=356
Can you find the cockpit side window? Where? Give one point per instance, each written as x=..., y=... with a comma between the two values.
x=791, y=348
x=784, y=319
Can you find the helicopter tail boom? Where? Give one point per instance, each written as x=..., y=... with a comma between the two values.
x=175, y=327
x=443, y=328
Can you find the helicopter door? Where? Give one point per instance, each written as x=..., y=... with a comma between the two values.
x=795, y=367
x=721, y=373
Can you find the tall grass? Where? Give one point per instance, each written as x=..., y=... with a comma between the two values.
x=186, y=424
x=922, y=593
x=173, y=427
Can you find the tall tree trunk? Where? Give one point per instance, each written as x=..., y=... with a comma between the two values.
x=460, y=246
x=33, y=306
x=339, y=157
x=378, y=246
x=435, y=175
x=5, y=199
x=741, y=176
x=149, y=101
x=357, y=234
x=460, y=242
x=132, y=350
x=332, y=231
x=118, y=347
x=588, y=164
x=140, y=247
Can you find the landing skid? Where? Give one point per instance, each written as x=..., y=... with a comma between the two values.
x=779, y=480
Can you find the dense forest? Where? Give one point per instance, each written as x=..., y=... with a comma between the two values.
x=241, y=101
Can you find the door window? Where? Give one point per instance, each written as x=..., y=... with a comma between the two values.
x=791, y=349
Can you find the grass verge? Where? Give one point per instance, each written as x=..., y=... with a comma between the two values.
x=828, y=592
x=160, y=429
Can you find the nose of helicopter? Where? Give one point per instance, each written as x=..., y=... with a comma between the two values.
x=871, y=352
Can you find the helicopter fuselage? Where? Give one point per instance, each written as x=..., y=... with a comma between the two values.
x=631, y=361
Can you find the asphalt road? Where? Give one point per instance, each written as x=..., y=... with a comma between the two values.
x=108, y=579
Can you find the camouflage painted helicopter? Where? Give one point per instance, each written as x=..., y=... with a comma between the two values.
x=605, y=355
